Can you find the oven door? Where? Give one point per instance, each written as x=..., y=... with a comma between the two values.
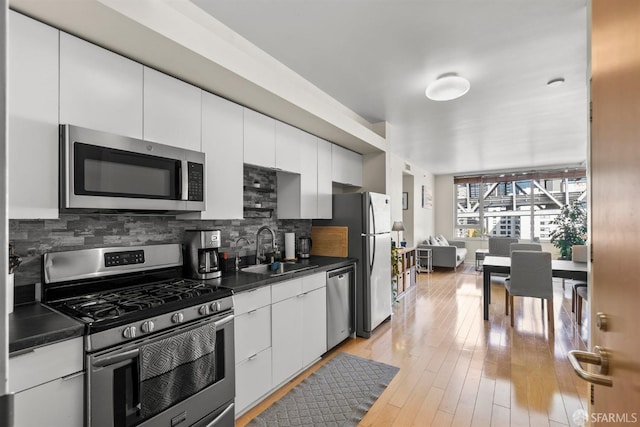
x=158, y=381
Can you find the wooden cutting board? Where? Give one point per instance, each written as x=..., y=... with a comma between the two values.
x=330, y=241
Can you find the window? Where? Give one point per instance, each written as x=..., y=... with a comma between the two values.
x=521, y=205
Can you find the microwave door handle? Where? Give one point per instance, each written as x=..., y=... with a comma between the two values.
x=184, y=180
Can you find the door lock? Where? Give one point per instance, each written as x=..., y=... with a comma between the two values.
x=601, y=321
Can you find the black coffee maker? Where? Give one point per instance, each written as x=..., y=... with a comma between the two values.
x=201, y=257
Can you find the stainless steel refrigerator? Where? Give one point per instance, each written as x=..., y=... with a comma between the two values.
x=368, y=216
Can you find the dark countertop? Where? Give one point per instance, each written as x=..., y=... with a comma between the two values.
x=34, y=324
x=240, y=281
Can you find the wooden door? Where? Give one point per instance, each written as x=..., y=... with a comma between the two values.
x=615, y=205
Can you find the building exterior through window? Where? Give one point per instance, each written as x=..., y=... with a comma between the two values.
x=520, y=204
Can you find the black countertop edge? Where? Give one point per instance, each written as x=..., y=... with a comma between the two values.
x=34, y=325
x=240, y=281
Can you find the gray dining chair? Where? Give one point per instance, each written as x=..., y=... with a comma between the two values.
x=500, y=246
x=531, y=277
x=519, y=247
x=525, y=247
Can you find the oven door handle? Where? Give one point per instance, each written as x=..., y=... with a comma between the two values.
x=112, y=360
x=223, y=321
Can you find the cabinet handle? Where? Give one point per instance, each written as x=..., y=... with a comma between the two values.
x=252, y=311
x=72, y=376
x=253, y=356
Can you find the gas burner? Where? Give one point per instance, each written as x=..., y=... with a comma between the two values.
x=115, y=303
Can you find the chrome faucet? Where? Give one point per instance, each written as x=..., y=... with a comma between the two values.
x=263, y=257
x=238, y=252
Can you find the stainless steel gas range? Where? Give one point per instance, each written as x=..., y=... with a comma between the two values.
x=159, y=348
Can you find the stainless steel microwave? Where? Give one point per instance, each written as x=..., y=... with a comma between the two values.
x=101, y=171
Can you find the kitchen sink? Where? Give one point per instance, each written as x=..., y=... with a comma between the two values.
x=283, y=268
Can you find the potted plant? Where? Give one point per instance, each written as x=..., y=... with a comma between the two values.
x=395, y=271
x=571, y=228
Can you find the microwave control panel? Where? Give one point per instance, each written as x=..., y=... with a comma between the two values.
x=196, y=182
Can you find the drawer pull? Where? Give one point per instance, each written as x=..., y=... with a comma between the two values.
x=253, y=356
x=252, y=311
x=72, y=376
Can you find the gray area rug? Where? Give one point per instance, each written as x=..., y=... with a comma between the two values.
x=338, y=394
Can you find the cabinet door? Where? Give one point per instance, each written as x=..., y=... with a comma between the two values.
x=222, y=142
x=346, y=166
x=252, y=333
x=287, y=332
x=172, y=111
x=288, y=151
x=56, y=403
x=253, y=380
x=309, y=177
x=259, y=139
x=99, y=89
x=314, y=323
x=33, y=118
x=325, y=190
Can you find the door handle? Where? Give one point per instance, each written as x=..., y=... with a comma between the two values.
x=599, y=357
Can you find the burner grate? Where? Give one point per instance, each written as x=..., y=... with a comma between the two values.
x=115, y=303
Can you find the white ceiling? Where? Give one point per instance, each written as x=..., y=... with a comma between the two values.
x=376, y=57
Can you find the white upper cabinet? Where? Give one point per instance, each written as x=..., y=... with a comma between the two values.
x=346, y=166
x=33, y=118
x=309, y=177
x=259, y=139
x=325, y=190
x=172, y=111
x=223, y=146
x=298, y=192
x=99, y=89
x=288, y=140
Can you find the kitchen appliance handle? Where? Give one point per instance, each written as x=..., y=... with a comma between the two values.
x=221, y=417
x=184, y=180
x=223, y=321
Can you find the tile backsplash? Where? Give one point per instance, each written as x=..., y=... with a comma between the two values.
x=32, y=238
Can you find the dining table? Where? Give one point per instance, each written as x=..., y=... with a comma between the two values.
x=563, y=269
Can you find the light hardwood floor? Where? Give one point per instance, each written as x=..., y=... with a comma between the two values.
x=457, y=370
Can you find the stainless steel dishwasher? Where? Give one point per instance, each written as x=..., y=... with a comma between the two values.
x=340, y=304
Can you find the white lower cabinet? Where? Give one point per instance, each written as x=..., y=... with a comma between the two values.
x=48, y=385
x=252, y=336
x=56, y=403
x=314, y=323
x=299, y=325
x=276, y=340
x=253, y=380
x=287, y=332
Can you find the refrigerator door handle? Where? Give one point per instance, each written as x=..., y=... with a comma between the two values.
x=373, y=253
x=372, y=215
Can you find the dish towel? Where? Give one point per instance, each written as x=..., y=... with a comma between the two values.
x=175, y=368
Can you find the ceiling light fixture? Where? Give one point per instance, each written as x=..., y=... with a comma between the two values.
x=555, y=82
x=447, y=87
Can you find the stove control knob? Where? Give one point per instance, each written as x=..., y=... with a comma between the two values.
x=215, y=306
x=177, y=318
x=148, y=326
x=203, y=310
x=129, y=332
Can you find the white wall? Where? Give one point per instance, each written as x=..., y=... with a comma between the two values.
x=418, y=220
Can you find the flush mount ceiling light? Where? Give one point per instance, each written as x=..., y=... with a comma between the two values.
x=447, y=87
x=555, y=82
